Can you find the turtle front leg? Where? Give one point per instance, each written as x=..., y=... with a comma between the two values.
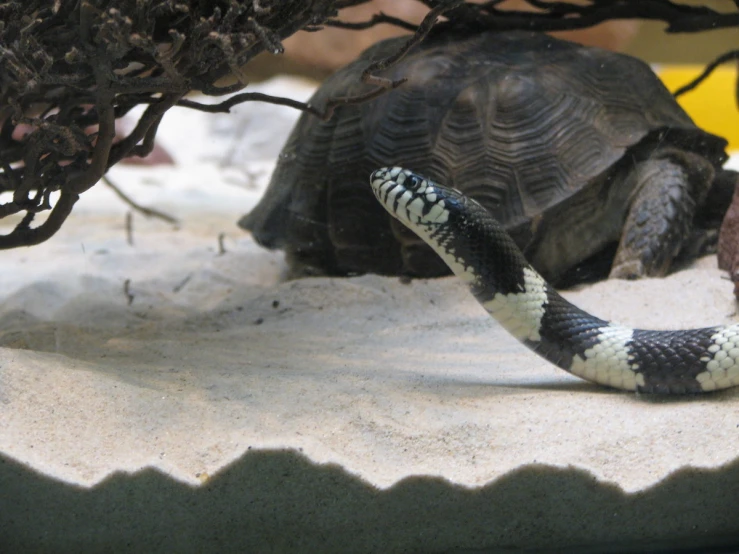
x=668, y=187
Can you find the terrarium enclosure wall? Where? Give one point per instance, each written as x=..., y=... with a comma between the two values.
x=164, y=387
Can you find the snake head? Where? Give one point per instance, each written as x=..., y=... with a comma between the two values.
x=411, y=198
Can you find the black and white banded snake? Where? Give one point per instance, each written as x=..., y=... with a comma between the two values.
x=480, y=252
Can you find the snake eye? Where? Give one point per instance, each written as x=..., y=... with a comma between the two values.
x=413, y=181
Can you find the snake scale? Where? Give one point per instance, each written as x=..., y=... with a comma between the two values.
x=480, y=252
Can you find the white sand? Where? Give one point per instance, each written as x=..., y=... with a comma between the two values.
x=215, y=355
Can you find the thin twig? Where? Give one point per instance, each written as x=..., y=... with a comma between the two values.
x=127, y=291
x=384, y=84
x=181, y=285
x=221, y=244
x=147, y=212
x=377, y=19
x=722, y=59
x=129, y=228
x=236, y=99
x=336, y=101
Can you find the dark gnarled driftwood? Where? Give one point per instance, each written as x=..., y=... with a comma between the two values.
x=70, y=68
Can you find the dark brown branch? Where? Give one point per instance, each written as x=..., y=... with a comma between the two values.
x=29, y=237
x=325, y=114
x=83, y=180
x=563, y=16
x=377, y=19
x=268, y=38
x=235, y=100
x=151, y=118
x=722, y=59
x=343, y=4
x=336, y=101
x=68, y=70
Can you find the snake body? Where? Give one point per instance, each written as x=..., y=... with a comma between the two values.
x=480, y=252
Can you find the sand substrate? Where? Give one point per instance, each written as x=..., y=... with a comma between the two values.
x=176, y=395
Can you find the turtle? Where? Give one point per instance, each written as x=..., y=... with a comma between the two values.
x=580, y=153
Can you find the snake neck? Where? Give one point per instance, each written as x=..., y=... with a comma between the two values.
x=479, y=251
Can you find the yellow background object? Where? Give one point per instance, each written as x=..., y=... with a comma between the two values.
x=712, y=105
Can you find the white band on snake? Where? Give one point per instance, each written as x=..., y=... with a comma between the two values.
x=479, y=251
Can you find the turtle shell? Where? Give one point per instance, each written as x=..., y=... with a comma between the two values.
x=520, y=121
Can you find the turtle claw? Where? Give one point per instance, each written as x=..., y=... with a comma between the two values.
x=630, y=270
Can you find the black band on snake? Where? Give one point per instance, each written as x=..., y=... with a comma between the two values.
x=479, y=251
